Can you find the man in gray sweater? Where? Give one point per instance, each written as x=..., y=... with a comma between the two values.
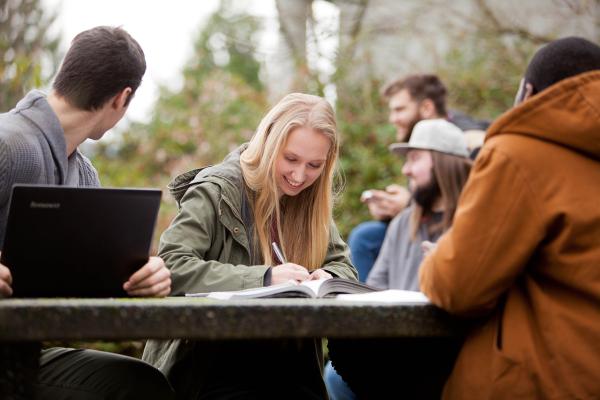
x=38, y=145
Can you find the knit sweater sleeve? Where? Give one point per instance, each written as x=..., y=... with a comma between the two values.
x=18, y=164
x=6, y=174
x=88, y=176
x=15, y=167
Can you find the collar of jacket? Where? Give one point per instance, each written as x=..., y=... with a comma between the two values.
x=567, y=113
x=228, y=176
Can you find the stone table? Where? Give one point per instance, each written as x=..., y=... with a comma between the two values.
x=25, y=323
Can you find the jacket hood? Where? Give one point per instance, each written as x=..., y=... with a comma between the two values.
x=226, y=173
x=567, y=113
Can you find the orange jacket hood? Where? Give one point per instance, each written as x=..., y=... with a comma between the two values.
x=567, y=113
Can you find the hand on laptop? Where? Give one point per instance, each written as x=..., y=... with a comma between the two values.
x=5, y=281
x=152, y=280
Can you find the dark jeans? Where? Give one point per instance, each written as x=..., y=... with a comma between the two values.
x=263, y=369
x=381, y=368
x=365, y=241
x=96, y=375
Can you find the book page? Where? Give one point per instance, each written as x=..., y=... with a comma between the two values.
x=314, y=285
x=387, y=296
x=247, y=293
x=334, y=286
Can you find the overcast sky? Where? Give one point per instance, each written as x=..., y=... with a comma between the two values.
x=164, y=29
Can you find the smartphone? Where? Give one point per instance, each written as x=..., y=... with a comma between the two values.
x=366, y=195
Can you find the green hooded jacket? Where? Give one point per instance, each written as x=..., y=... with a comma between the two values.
x=208, y=248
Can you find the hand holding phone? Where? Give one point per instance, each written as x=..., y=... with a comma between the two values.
x=366, y=195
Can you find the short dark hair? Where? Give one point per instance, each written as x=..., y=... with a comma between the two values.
x=421, y=87
x=562, y=59
x=100, y=63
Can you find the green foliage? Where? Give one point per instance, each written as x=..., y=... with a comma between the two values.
x=223, y=98
x=228, y=42
x=25, y=46
x=217, y=108
x=483, y=72
x=365, y=159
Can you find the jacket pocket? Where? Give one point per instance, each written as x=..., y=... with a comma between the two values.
x=510, y=377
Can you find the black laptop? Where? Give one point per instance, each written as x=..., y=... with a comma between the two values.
x=77, y=242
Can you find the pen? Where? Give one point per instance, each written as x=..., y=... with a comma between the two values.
x=278, y=253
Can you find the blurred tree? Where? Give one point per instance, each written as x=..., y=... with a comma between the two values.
x=362, y=120
x=217, y=108
x=482, y=75
x=294, y=17
x=478, y=51
x=487, y=57
x=478, y=48
x=28, y=51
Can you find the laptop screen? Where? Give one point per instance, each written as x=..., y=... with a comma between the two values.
x=77, y=242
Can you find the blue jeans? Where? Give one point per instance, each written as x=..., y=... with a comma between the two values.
x=336, y=387
x=365, y=241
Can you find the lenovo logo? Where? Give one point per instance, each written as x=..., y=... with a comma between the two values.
x=35, y=204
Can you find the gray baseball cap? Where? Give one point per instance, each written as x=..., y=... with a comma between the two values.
x=434, y=134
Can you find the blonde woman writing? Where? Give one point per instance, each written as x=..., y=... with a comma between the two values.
x=277, y=188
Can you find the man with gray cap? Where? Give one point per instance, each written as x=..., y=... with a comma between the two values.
x=411, y=99
x=437, y=166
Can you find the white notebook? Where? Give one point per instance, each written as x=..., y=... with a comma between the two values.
x=387, y=296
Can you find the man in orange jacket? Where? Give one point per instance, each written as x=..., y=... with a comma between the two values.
x=524, y=249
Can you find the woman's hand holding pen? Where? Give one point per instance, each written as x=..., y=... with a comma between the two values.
x=285, y=272
x=320, y=274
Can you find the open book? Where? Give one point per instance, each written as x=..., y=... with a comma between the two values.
x=308, y=289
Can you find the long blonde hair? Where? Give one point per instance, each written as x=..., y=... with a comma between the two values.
x=451, y=173
x=303, y=220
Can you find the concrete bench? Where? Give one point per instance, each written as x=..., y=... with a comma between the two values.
x=25, y=323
